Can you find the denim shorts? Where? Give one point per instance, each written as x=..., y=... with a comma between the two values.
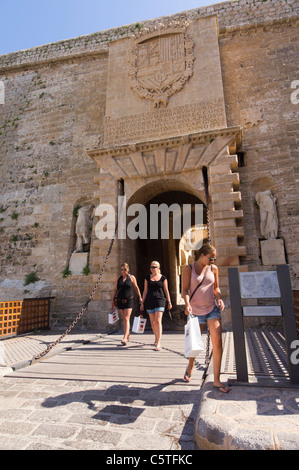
x=214, y=314
x=158, y=309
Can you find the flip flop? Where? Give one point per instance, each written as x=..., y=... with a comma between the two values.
x=187, y=376
x=222, y=388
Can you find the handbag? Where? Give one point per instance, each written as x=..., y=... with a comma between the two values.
x=139, y=325
x=193, y=338
x=113, y=317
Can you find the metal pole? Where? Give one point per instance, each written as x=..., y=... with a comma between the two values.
x=238, y=325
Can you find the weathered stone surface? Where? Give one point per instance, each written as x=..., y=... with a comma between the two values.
x=73, y=125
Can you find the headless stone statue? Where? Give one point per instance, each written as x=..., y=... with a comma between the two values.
x=268, y=214
x=83, y=225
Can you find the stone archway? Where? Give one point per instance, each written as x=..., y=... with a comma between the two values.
x=147, y=169
x=142, y=251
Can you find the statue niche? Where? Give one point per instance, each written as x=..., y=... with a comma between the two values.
x=83, y=229
x=268, y=214
x=80, y=257
x=272, y=248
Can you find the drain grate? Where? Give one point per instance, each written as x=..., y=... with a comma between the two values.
x=265, y=350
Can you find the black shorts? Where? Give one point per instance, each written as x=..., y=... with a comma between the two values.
x=127, y=303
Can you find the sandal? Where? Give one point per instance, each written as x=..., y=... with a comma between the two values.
x=125, y=341
x=222, y=388
x=187, y=376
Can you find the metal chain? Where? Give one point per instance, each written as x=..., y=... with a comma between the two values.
x=84, y=308
x=206, y=185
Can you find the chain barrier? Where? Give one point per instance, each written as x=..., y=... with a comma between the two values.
x=84, y=308
x=206, y=186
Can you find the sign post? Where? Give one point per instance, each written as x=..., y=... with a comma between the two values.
x=262, y=285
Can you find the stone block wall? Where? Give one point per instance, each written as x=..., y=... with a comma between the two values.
x=259, y=66
x=52, y=113
x=55, y=97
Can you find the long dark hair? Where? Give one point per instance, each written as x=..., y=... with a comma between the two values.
x=204, y=250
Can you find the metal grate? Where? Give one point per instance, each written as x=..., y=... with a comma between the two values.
x=10, y=314
x=265, y=350
x=23, y=316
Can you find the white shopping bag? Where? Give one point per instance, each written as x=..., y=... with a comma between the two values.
x=193, y=339
x=139, y=325
x=113, y=317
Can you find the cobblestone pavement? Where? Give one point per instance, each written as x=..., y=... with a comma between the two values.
x=101, y=395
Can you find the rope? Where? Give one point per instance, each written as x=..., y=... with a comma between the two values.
x=84, y=308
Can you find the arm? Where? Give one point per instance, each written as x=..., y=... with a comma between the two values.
x=186, y=289
x=136, y=288
x=217, y=291
x=144, y=295
x=114, y=292
x=165, y=286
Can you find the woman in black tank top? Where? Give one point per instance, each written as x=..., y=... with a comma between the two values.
x=154, y=300
x=123, y=293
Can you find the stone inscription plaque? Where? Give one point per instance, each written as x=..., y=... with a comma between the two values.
x=185, y=119
x=259, y=285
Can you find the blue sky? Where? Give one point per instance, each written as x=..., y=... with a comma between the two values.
x=30, y=23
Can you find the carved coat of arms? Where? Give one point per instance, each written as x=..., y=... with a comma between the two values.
x=160, y=65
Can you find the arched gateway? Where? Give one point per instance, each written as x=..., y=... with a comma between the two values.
x=166, y=141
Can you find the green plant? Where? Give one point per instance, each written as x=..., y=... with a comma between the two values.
x=31, y=278
x=86, y=270
x=14, y=216
x=76, y=209
x=66, y=272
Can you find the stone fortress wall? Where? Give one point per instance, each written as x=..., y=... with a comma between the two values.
x=55, y=111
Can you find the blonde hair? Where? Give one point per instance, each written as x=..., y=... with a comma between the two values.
x=204, y=250
x=158, y=264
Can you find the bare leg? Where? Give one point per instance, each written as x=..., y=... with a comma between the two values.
x=125, y=314
x=216, y=338
x=158, y=328
x=156, y=324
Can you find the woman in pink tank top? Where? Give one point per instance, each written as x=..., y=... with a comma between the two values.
x=203, y=305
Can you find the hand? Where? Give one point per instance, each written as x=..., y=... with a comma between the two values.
x=141, y=306
x=169, y=305
x=188, y=310
x=220, y=304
